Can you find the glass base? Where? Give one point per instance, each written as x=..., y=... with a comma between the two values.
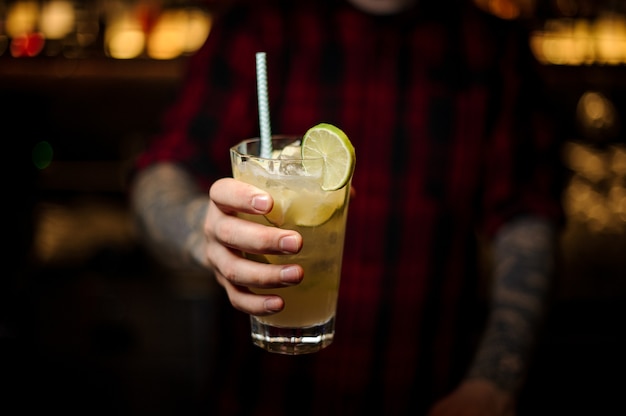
x=292, y=341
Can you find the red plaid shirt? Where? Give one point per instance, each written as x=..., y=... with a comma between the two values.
x=447, y=146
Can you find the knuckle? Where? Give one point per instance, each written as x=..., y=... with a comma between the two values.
x=225, y=232
x=230, y=274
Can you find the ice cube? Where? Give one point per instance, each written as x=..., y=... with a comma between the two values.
x=292, y=169
x=291, y=151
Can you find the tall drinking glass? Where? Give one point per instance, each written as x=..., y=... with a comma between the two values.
x=307, y=323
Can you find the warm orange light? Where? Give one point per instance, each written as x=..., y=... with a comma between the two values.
x=198, y=28
x=178, y=32
x=596, y=193
x=57, y=19
x=507, y=9
x=581, y=41
x=167, y=38
x=22, y=18
x=125, y=43
x=124, y=37
x=610, y=34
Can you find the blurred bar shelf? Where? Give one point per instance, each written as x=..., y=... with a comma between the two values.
x=41, y=70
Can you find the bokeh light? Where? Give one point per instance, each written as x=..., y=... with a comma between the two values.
x=159, y=34
x=27, y=44
x=178, y=32
x=21, y=18
x=597, y=116
x=596, y=193
x=124, y=37
x=57, y=19
x=508, y=9
x=581, y=41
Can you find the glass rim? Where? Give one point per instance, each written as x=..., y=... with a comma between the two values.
x=278, y=137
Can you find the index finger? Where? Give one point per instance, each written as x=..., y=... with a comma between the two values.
x=232, y=196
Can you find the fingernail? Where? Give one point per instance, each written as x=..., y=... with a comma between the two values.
x=261, y=203
x=289, y=244
x=290, y=274
x=273, y=304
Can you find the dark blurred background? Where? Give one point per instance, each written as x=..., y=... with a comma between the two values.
x=92, y=324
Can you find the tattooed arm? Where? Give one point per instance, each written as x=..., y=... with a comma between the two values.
x=523, y=256
x=524, y=264
x=170, y=211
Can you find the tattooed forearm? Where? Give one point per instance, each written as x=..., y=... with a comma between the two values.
x=524, y=262
x=170, y=211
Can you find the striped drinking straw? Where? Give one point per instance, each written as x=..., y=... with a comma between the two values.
x=264, y=110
